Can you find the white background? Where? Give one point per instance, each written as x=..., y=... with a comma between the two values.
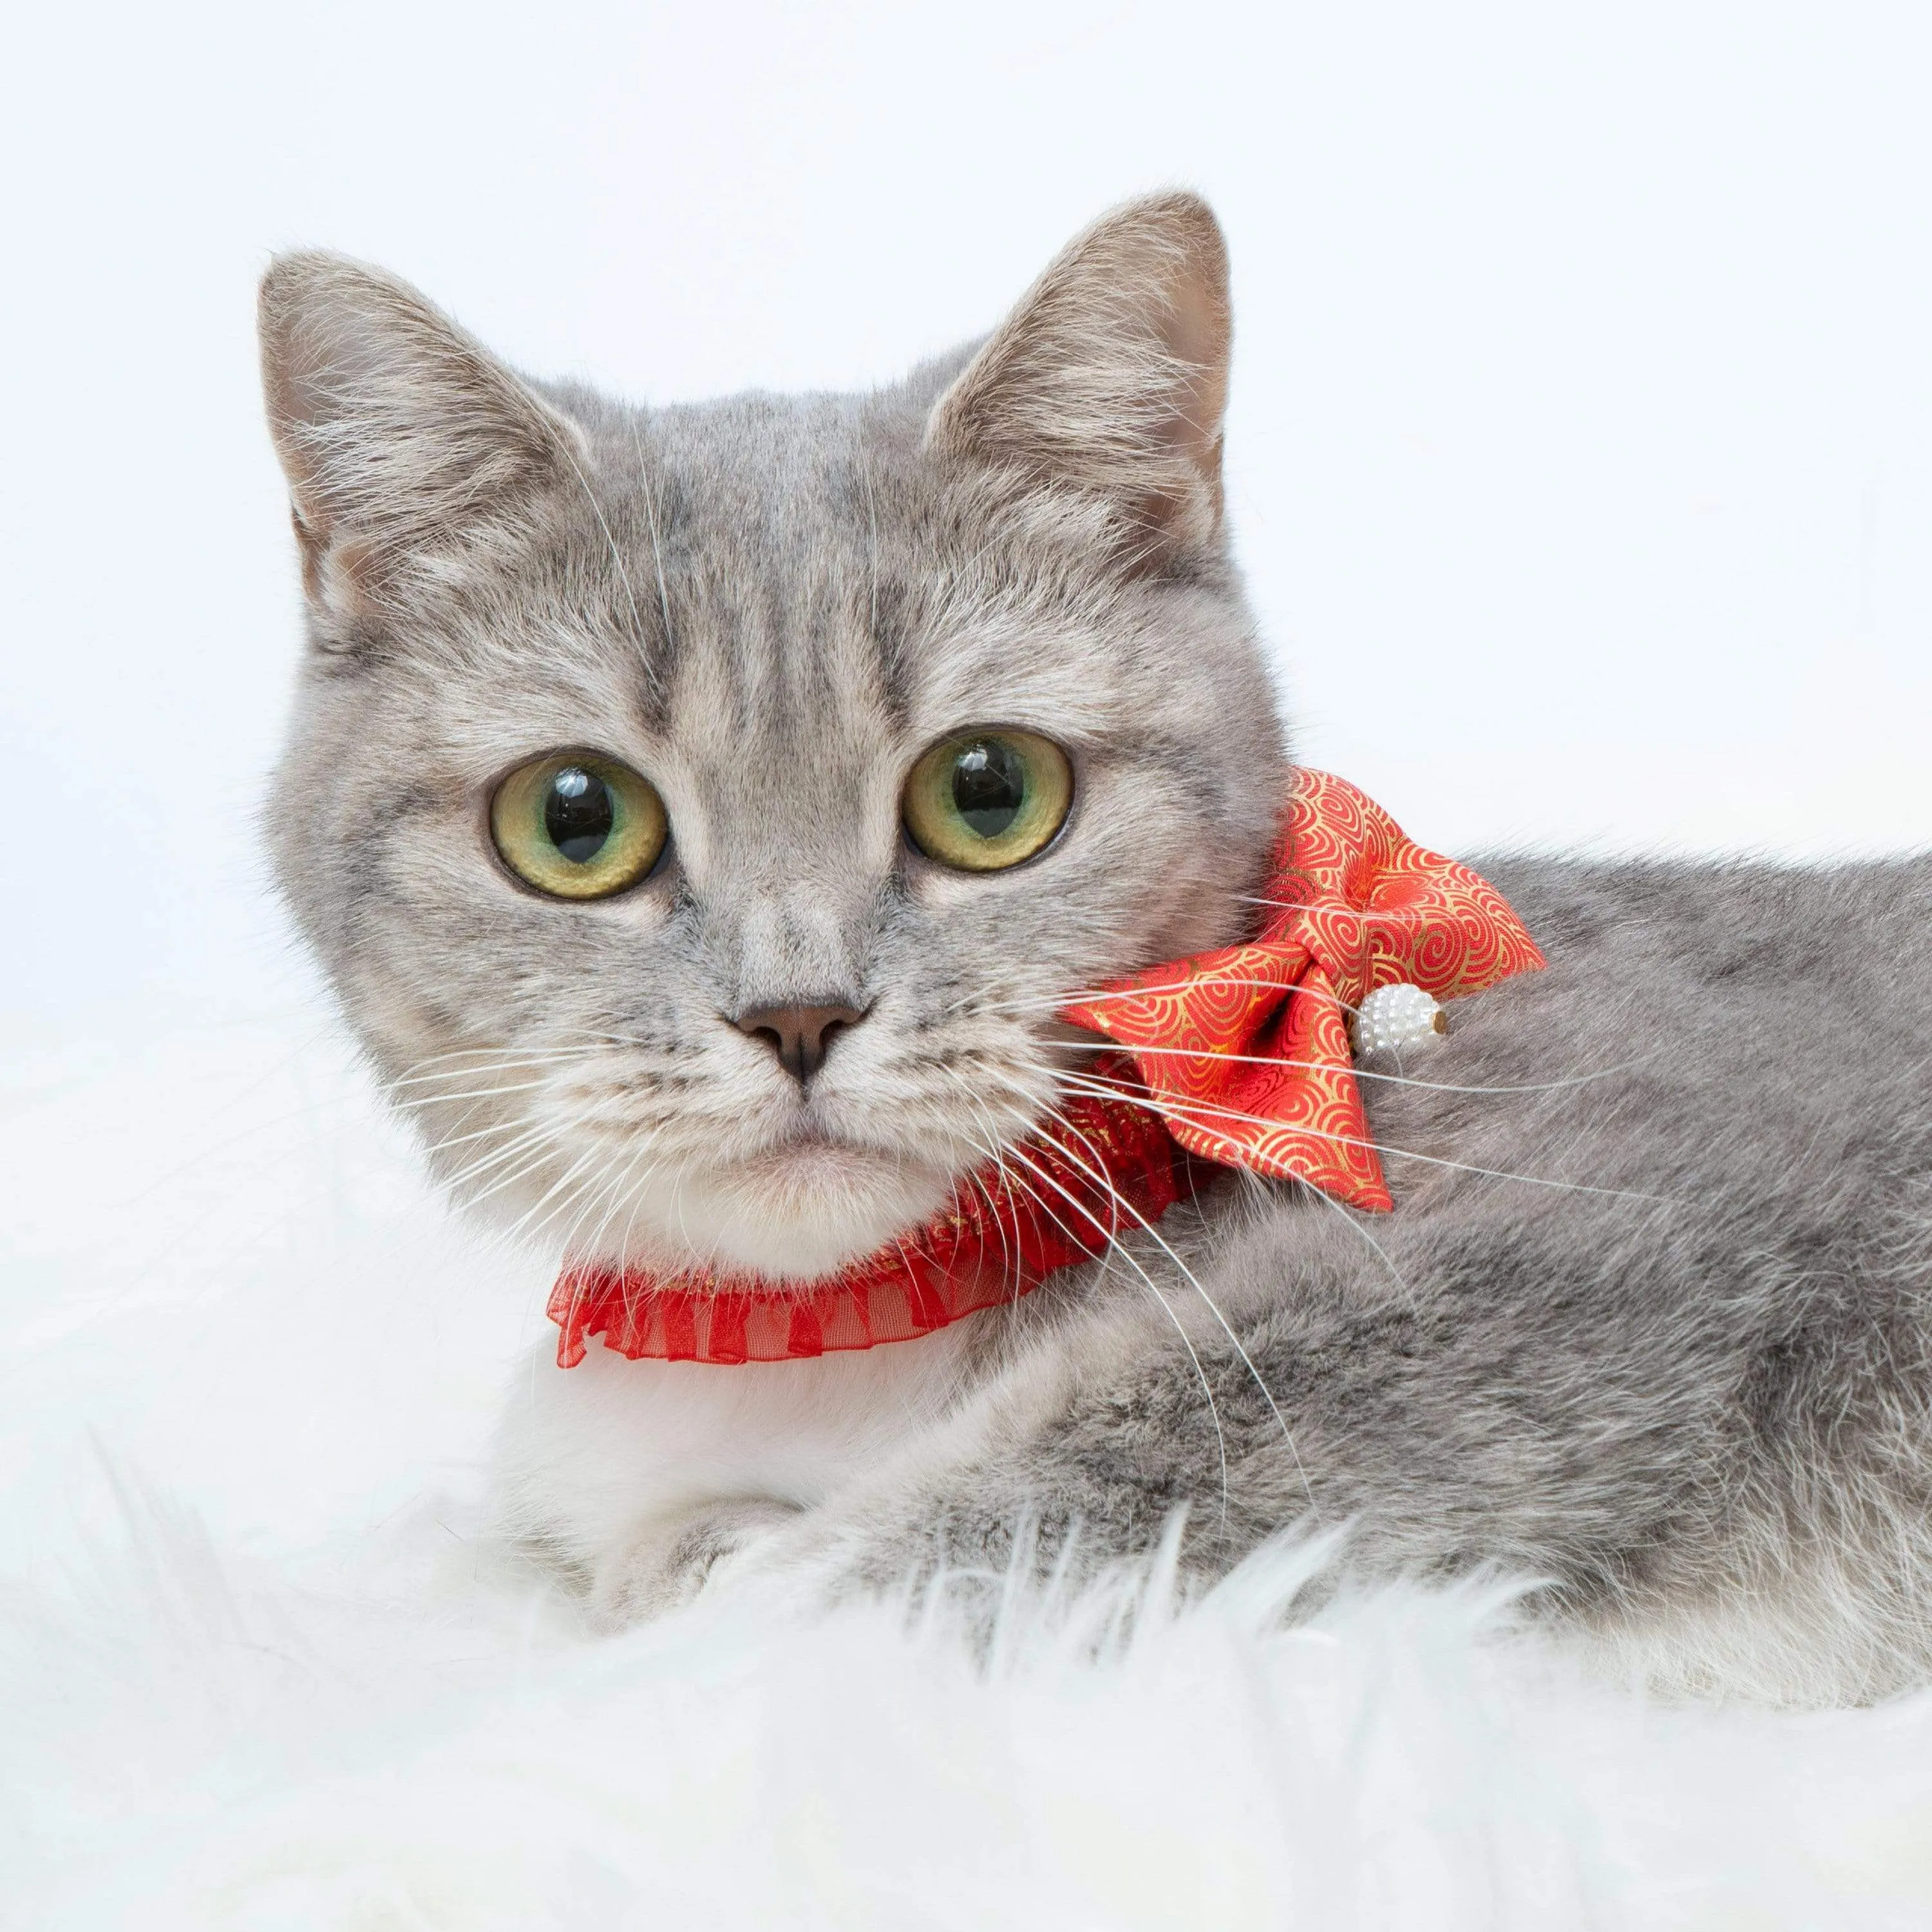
x=1581, y=443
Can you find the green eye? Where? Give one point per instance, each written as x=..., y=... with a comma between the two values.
x=985, y=800
x=577, y=826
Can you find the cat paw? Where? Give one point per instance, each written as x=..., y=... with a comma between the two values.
x=669, y=1560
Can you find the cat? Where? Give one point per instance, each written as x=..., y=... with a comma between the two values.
x=1648, y=1326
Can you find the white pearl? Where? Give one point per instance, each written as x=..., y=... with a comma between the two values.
x=1396, y=1019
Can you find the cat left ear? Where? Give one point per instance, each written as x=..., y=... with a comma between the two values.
x=1109, y=380
x=409, y=449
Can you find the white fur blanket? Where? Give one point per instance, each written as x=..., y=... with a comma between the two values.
x=253, y=1678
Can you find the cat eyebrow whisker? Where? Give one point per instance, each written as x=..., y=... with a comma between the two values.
x=657, y=546
x=616, y=555
x=872, y=546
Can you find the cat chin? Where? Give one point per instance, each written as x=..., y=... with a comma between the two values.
x=795, y=1213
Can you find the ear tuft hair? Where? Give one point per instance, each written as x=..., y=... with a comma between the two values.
x=406, y=445
x=1111, y=377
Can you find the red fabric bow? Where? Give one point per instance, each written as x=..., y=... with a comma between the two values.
x=1247, y=1047
x=1242, y=1057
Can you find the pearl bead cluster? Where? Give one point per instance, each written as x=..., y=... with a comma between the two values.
x=1396, y=1019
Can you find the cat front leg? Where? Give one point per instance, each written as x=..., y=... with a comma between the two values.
x=987, y=1491
x=639, y=1481
x=669, y=1559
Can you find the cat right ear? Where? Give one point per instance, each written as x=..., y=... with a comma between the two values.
x=409, y=450
x=1103, y=391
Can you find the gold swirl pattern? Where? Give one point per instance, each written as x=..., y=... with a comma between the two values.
x=1246, y=1049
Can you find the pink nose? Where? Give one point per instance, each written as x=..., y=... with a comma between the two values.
x=800, y=1036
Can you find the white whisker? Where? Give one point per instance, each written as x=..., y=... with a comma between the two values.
x=1182, y=1111
x=1101, y=1045
x=1096, y=1172
x=1114, y=1245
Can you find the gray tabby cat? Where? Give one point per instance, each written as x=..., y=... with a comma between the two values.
x=594, y=808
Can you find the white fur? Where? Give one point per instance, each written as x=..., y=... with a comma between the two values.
x=613, y=1460
x=266, y=1689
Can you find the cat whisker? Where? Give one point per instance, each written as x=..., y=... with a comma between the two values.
x=1111, y=1247
x=1096, y=1171
x=535, y=1140
x=449, y=1140
x=520, y=1162
x=612, y=1193
x=474, y=1069
x=540, y=1211
x=472, y=1062
x=1183, y=1112
x=1114, y=1245
x=637, y=1206
x=1099, y=1046
x=420, y=1069
x=521, y=1132
x=421, y=1100
x=1350, y=1222
x=996, y=1147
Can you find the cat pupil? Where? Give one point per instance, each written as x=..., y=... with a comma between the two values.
x=578, y=814
x=989, y=787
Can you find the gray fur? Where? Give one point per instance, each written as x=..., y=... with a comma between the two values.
x=1656, y=1338
x=1692, y=1402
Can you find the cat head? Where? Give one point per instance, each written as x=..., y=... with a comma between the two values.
x=701, y=812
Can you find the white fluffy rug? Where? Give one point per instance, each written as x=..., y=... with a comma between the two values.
x=253, y=1678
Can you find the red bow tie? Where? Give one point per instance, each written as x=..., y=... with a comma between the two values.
x=1238, y=1057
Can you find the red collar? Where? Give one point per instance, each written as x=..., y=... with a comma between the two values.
x=1223, y=1064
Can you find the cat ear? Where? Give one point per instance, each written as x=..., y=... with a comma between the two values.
x=1110, y=379
x=409, y=449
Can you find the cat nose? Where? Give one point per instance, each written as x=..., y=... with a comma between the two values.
x=800, y=1036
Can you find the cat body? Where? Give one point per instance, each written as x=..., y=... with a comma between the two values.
x=1647, y=1325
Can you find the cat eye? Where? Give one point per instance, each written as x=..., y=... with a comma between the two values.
x=985, y=800
x=577, y=826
